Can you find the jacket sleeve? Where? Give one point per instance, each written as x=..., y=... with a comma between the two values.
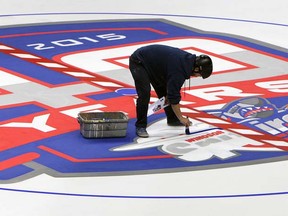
x=175, y=80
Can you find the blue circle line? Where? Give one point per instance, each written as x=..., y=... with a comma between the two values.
x=148, y=14
x=146, y=197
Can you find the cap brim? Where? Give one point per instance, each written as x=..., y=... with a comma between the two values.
x=207, y=72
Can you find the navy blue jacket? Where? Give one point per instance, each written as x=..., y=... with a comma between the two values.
x=168, y=66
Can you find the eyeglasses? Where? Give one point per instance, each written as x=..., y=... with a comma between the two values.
x=196, y=69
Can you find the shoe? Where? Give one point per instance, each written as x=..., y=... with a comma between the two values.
x=177, y=123
x=141, y=132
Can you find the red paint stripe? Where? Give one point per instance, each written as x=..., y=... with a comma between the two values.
x=72, y=159
x=18, y=160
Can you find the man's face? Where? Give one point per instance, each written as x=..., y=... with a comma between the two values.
x=195, y=72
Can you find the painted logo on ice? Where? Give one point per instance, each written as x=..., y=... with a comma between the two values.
x=49, y=73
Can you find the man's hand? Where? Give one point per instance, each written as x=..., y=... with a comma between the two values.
x=178, y=113
x=185, y=121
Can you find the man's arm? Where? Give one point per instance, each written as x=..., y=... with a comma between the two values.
x=178, y=113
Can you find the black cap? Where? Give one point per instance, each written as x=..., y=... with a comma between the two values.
x=205, y=65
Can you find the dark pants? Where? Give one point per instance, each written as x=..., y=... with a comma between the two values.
x=143, y=88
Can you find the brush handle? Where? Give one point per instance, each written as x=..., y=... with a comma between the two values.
x=187, y=130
